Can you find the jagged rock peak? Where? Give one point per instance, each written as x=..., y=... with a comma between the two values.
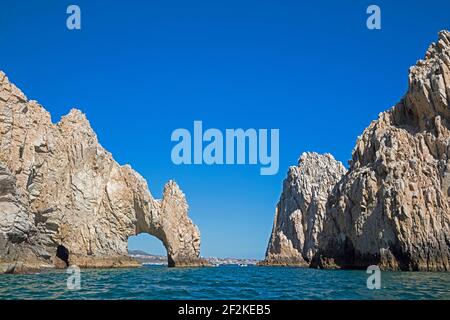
x=75, y=116
x=428, y=84
x=325, y=161
x=301, y=209
x=436, y=51
x=8, y=91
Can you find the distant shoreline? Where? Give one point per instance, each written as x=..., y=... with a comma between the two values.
x=151, y=259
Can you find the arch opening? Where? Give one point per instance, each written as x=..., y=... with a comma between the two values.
x=147, y=249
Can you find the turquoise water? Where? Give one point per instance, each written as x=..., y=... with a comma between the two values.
x=227, y=282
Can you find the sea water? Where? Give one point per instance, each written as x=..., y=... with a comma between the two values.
x=225, y=282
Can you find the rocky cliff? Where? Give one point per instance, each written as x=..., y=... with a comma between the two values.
x=392, y=207
x=301, y=210
x=64, y=200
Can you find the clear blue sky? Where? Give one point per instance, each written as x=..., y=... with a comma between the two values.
x=140, y=69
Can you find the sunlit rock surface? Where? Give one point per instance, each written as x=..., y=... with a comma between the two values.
x=60, y=187
x=392, y=206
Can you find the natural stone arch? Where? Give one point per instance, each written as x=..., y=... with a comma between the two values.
x=126, y=208
x=173, y=227
x=67, y=190
x=134, y=212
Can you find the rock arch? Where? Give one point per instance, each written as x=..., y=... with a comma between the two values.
x=72, y=193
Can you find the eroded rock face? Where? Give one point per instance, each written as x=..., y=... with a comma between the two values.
x=20, y=247
x=59, y=187
x=301, y=210
x=392, y=207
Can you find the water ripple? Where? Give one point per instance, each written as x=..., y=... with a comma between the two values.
x=230, y=282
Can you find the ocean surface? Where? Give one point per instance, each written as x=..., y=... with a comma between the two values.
x=225, y=282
